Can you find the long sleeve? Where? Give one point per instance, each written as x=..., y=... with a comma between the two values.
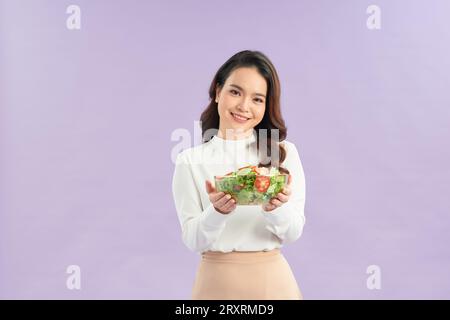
x=200, y=228
x=287, y=221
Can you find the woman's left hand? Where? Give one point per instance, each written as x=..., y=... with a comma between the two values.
x=280, y=199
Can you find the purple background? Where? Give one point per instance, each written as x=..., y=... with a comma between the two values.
x=86, y=123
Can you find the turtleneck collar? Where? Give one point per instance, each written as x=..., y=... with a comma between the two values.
x=229, y=142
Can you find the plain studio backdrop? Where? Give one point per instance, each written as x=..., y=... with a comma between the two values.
x=91, y=92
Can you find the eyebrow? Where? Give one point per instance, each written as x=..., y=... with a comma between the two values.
x=236, y=86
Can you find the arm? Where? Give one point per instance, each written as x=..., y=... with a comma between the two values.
x=287, y=221
x=200, y=228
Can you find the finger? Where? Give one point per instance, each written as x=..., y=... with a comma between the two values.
x=221, y=202
x=229, y=205
x=215, y=196
x=209, y=187
x=286, y=190
x=282, y=197
x=289, y=180
x=276, y=202
x=268, y=207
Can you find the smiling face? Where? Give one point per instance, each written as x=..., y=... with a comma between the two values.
x=241, y=103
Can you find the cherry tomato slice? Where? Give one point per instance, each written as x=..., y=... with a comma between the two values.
x=262, y=183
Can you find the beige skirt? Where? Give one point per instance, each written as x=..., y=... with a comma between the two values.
x=245, y=275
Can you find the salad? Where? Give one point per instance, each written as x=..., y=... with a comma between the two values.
x=252, y=185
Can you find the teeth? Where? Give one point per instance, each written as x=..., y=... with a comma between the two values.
x=239, y=117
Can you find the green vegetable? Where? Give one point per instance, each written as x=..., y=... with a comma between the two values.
x=248, y=187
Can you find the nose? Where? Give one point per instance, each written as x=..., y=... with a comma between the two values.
x=244, y=105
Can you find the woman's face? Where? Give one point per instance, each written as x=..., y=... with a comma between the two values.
x=243, y=94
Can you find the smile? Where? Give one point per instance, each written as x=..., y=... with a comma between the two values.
x=239, y=118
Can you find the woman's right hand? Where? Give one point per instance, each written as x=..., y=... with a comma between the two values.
x=222, y=202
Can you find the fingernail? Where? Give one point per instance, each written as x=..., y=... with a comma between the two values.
x=228, y=196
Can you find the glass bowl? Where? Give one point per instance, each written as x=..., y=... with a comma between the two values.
x=251, y=189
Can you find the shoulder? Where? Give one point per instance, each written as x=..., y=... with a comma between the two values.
x=292, y=152
x=293, y=160
x=289, y=146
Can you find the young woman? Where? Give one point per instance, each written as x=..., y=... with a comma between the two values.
x=240, y=245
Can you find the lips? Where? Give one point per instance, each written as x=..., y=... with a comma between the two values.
x=239, y=117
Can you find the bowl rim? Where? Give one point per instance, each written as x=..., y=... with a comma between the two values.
x=258, y=175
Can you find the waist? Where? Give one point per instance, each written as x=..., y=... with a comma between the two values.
x=241, y=256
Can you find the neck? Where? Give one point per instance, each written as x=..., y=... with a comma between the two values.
x=234, y=134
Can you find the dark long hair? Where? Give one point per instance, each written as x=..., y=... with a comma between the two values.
x=272, y=116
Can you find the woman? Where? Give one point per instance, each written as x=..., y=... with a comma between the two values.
x=240, y=245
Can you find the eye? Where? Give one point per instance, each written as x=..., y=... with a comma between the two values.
x=234, y=91
x=259, y=100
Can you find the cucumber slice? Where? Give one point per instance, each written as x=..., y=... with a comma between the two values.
x=244, y=171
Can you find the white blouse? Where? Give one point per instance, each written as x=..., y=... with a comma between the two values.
x=247, y=228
